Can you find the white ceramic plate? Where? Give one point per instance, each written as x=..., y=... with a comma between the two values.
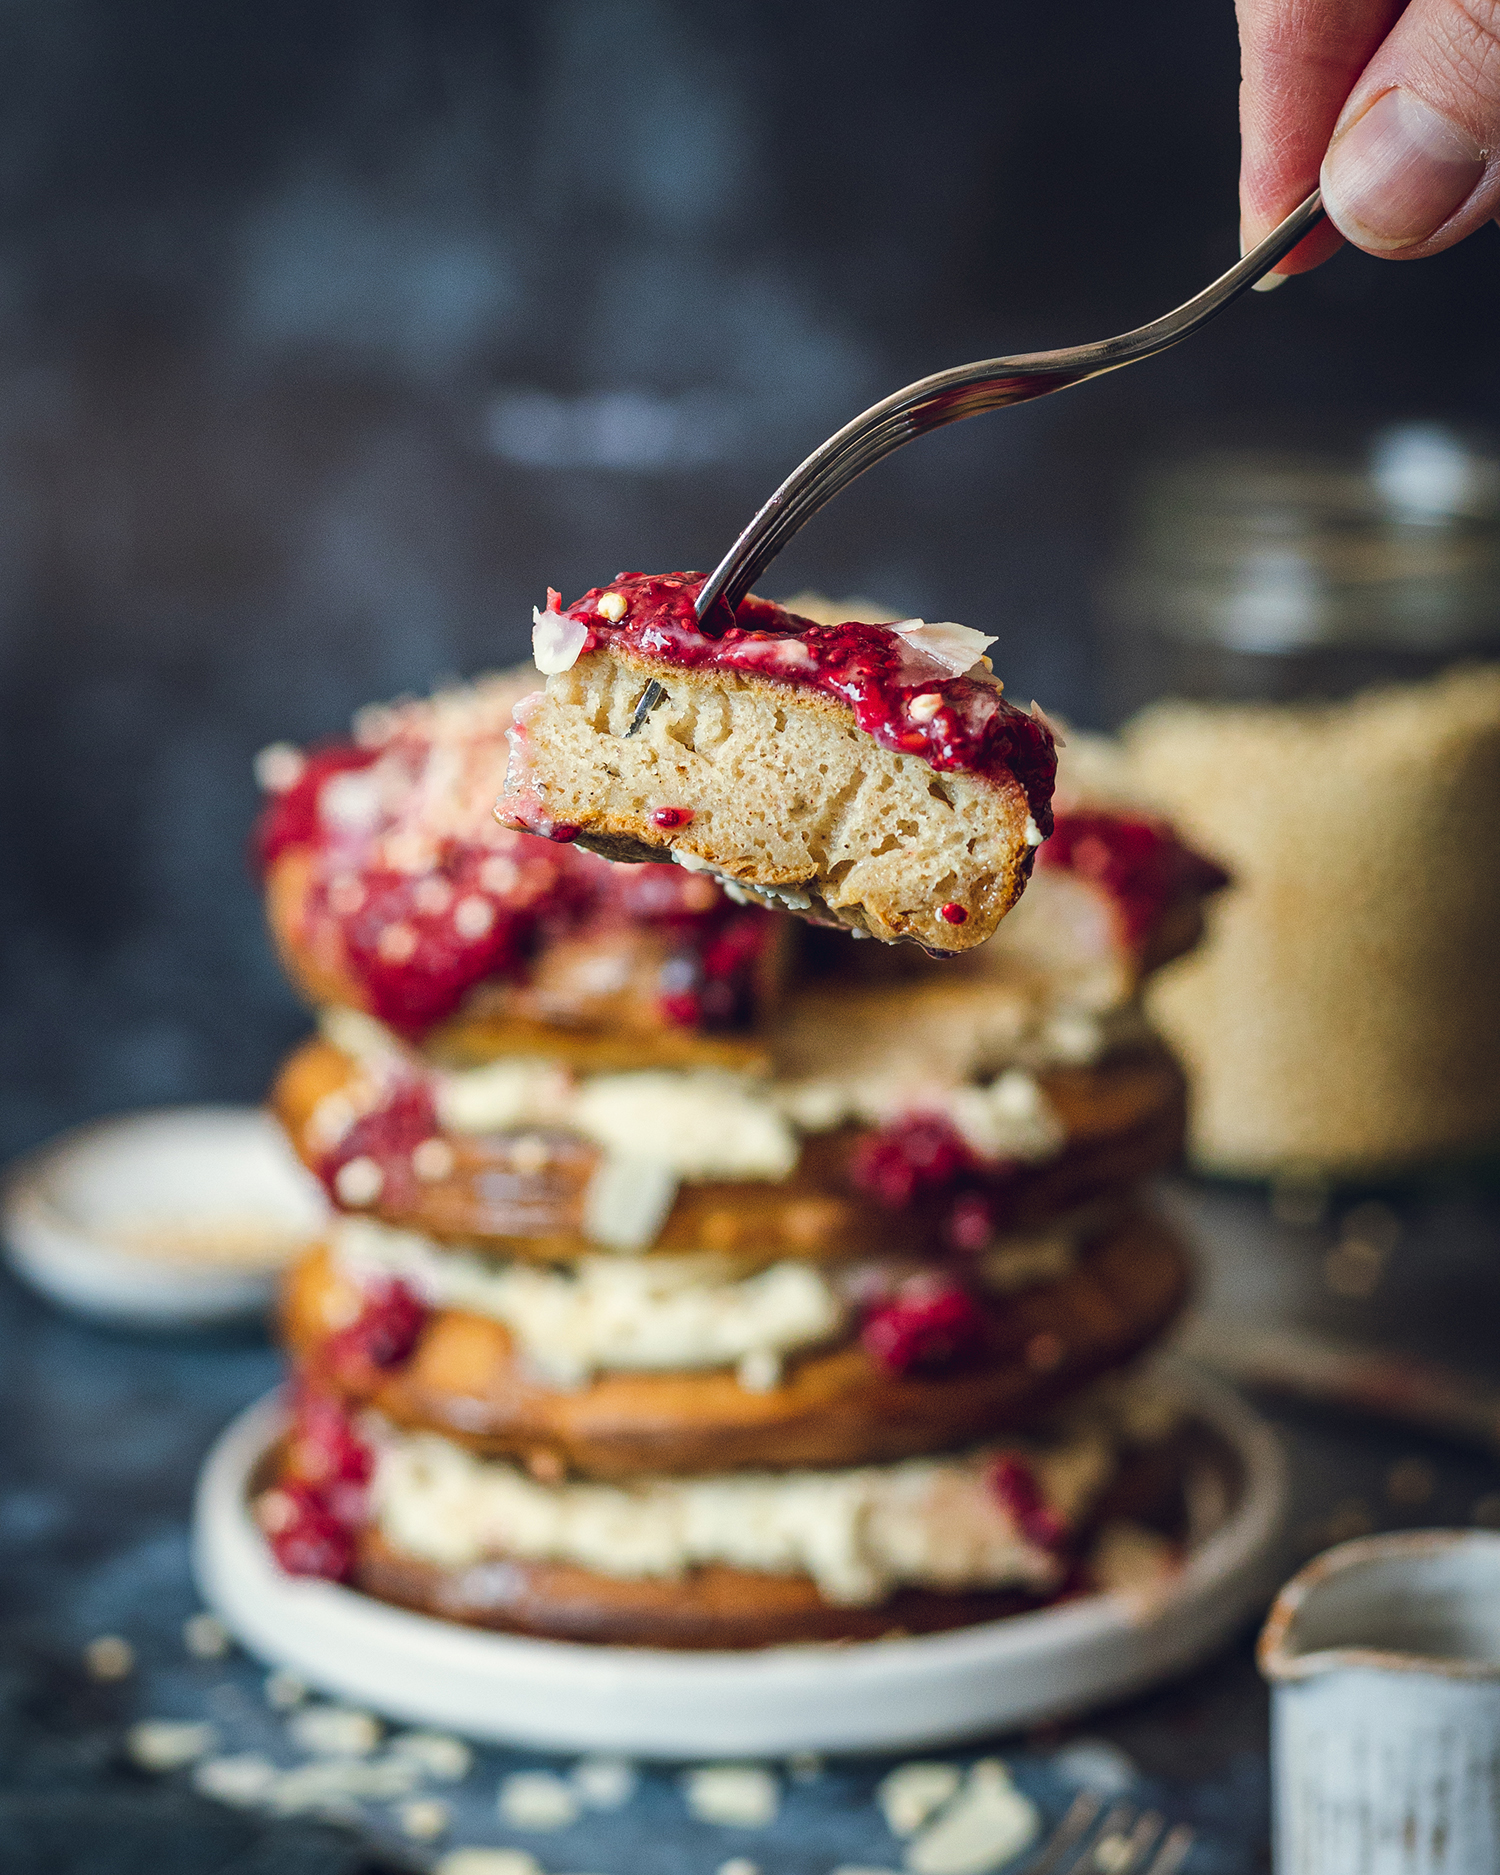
x=177, y=1218
x=869, y=1696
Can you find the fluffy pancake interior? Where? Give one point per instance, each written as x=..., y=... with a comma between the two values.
x=788, y=797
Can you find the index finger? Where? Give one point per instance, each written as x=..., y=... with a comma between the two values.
x=1299, y=60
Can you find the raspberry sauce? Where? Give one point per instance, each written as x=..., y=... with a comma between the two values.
x=868, y=667
x=918, y=1156
x=305, y=1536
x=381, y=1338
x=418, y=943
x=968, y=1226
x=921, y=1161
x=1015, y=1488
x=929, y=1326
x=311, y=1515
x=1138, y=861
x=324, y=1453
x=290, y=818
x=421, y=914
x=384, y=1139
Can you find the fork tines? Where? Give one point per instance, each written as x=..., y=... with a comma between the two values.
x=1122, y=1842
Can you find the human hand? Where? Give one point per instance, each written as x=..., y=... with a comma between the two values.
x=1399, y=104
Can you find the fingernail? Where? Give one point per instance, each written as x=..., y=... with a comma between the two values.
x=1268, y=282
x=1398, y=172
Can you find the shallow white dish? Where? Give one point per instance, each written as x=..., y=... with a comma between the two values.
x=871, y=1696
x=176, y=1218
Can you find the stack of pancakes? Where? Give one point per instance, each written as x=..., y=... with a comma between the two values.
x=698, y=1278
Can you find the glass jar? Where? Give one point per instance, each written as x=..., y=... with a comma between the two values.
x=1273, y=576
x=1342, y=1020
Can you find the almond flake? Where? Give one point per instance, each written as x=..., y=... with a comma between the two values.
x=169, y=1744
x=538, y=1800
x=335, y=1731
x=736, y=1796
x=605, y=1783
x=912, y=1793
x=987, y=1824
x=488, y=1862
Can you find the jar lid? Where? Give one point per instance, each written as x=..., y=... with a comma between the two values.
x=1396, y=548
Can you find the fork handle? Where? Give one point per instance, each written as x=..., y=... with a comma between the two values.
x=967, y=391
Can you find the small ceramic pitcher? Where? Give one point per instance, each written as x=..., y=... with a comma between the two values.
x=1385, y=1732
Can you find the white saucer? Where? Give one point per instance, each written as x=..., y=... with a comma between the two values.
x=171, y=1219
x=868, y=1696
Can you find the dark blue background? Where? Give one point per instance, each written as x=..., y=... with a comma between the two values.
x=330, y=334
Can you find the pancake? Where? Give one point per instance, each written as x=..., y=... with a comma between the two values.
x=718, y=1605
x=714, y=1607
x=1120, y=1120
x=591, y=996
x=865, y=774
x=1086, y=941
x=834, y=1406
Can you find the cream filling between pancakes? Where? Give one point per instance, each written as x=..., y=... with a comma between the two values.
x=657, y=1129
x=860, y=1533
x=659, y=1314
x=654, y=1314
x=707, y=1123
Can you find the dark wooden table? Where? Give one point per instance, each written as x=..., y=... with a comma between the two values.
x=105, y=1434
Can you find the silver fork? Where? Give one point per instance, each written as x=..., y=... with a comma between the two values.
x=948, y=397
x=1123, y=1841
x=966, y=391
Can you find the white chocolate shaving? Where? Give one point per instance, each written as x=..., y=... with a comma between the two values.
x=958, y=647
x=556, y=641
x=704, y=1123
x=628, y=1201
x=278, y=767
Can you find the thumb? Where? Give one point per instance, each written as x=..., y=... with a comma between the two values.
x=1412, y=167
